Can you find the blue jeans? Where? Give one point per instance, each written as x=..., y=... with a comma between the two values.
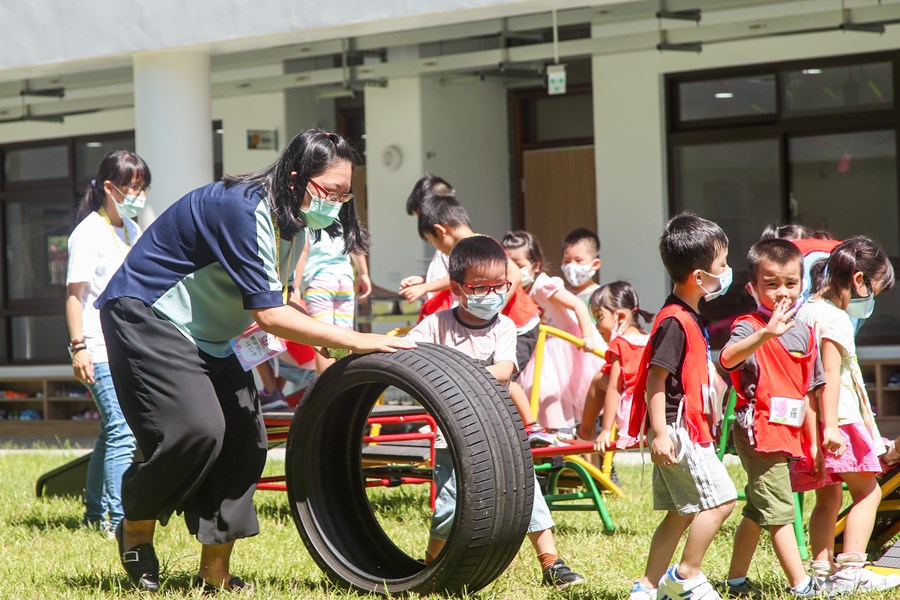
x=112, y=454
x=445, y=501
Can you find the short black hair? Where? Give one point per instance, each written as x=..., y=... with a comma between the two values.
x=429, y=185
x=441, y=210
x=475, y=251
x=582, y=234
x=777, y=250
x=690, y=242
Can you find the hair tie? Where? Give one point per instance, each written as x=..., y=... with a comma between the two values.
x=94, y=183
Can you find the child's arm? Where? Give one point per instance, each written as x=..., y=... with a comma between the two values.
x=610, y=404
x=662, y=451
x=593, y=403
x=780, y=322
x=811, y=424
x=567, y=299
x=363, y=283
x=831, y=363
x=502, y=370
x=413, y=291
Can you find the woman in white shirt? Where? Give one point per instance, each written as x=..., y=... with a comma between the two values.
x=97, y=247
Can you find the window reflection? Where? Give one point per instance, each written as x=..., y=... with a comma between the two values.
x=838, y=88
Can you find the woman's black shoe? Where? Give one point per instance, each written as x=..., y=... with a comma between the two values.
x=140, y=563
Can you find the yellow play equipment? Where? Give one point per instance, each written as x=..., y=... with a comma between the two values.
x=600, y=476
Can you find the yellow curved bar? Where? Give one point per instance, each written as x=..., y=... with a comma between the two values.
x=543, y=332
x=598, y=475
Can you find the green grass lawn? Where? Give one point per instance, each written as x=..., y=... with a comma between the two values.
x=45, y=553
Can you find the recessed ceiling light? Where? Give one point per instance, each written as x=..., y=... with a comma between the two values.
x=219, y=131
x=724, y=95
x=811, y=71
x=93, y=144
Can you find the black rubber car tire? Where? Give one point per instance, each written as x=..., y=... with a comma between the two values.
x=494, y=472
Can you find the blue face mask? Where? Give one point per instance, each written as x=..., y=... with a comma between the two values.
x=321, y=212
x=861, y=308
x=486, y=307
x=725, y=278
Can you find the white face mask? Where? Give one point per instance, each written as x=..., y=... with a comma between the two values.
x=725, y=278
x=577, y=274
x=527, y=277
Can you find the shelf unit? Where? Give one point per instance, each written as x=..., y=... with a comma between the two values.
x=878, y=365
x=51, y=390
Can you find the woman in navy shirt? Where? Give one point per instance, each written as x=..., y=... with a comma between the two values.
x=214, y=263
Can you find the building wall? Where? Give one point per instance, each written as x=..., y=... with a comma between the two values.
x=630, y=140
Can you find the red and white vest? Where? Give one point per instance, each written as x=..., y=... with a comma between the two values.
x=695, y=377
x=781, y=375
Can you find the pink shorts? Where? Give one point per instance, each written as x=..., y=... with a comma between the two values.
x=859, y=457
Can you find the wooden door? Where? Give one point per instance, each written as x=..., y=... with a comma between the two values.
x=560, y=195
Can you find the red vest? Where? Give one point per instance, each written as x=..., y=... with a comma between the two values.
x=694, y=371
x=809, y=245
x=780, y=374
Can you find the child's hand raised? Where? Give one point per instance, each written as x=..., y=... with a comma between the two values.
x=413, y=292
x=782, y=319
x=412, y=280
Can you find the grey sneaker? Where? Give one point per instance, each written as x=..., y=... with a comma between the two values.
x=744, y=590
x=561, y=577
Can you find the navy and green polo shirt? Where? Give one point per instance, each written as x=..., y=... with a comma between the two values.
x=208, y=260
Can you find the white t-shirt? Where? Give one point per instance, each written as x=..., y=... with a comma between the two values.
x=96, y=251
x=487, y=344
x=438, y=268
x=830, y=322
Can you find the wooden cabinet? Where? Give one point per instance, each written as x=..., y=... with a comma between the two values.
x=41, y=401
x=881, y=371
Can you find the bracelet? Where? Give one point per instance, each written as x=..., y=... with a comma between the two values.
x=76, y=342
x=75, y=349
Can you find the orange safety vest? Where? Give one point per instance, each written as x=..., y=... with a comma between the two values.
x=695, y=377
x=780, y=374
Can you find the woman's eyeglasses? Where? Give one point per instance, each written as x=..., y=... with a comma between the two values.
x=331, y=196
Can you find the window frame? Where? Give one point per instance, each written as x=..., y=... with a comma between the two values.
x=778, y=125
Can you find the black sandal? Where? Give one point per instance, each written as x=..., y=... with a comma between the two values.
x=140, y=563
x=235, y=584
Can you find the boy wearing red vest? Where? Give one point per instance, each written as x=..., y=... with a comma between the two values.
x=776, y=369
x=677, y=382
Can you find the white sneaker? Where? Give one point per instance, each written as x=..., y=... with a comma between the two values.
x=671, y=587
x=852, y=579
x=639, y=592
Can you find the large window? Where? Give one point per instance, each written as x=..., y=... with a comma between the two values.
x=40, y=185
x=809, y=142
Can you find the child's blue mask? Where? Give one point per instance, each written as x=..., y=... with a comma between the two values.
x=485, y=307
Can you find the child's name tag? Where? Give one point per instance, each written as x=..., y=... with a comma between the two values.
x=255, y=346
x=787, y=411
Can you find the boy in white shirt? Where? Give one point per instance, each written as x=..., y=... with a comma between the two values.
x=475, y=327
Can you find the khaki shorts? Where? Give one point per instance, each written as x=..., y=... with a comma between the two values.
x=697, y=482
x=770, y=499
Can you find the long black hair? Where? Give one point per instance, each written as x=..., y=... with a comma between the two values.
x=119, y=167
x=309, y=153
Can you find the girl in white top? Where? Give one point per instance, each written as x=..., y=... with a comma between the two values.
x=848, y=443
x=567, y=371
x=97, y=248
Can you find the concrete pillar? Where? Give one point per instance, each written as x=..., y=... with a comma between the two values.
x=173, y=124
x=394, y=120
